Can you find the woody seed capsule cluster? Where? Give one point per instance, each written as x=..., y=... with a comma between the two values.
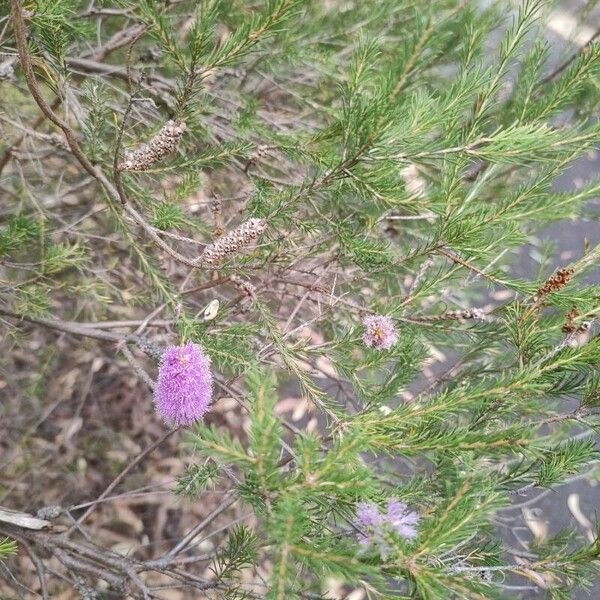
x=231, y=242
x=162, y=144
x=558, y=281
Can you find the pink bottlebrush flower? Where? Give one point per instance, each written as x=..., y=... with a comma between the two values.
x=374, y=524
x=184, y=387
x=380, y=332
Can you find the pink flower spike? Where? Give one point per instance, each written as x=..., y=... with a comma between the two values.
x=380, y=332
x=184, y=387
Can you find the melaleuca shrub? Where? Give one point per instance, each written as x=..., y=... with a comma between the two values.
x=312, y=237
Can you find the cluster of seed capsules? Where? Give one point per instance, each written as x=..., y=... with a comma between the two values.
x=162, y=144
x=233, y=241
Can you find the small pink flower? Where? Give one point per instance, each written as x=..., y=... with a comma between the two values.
x=401, y=520
x=184, y=387
x=380, y=332
x=368, y=514
x=375, y=524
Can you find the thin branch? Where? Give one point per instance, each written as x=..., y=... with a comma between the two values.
x=565, y=65
x=227, y=501
x=39, y=567
x=125, y=471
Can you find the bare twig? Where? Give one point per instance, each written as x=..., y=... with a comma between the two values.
x=227, y=501
x=125, y=471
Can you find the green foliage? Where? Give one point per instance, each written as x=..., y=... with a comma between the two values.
x=18, y=231
x=232, y=347
x=265, y=429
x=54, y=25
x=168, y=216
x=32, y=299
x=240, y=551
x=565, y=460
x=7, y=548
x=96, y=126
x=221, y=446
x=367, y=254
x=59, y=257
x=405, y=164
x=196, y=479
